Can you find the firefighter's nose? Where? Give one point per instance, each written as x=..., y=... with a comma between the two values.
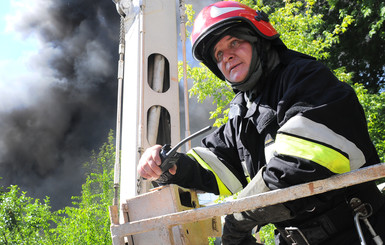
x=227, y=56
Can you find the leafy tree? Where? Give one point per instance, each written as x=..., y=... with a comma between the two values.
x=361, y=47
x=23, y=220
x=374, y=107
x=267, y=234
x=87, y=222
x=360, y=44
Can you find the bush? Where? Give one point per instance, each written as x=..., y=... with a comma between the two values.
x=23, y=220
x=87, y=222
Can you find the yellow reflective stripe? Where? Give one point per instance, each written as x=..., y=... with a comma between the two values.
x=223, y=190
x=318, y=132
x=324, y=156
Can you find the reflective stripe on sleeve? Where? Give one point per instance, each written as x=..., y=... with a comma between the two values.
x=317, y=132
x=228, y=183
x=320, y=154
x=269, y=152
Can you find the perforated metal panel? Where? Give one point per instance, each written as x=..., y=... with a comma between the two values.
x=150, y=88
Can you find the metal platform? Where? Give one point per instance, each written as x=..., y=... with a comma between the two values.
x=163, y=223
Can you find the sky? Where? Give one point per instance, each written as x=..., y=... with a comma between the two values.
x=15, y=54
x=12, y=44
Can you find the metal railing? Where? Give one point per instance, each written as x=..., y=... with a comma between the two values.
x=165, y=222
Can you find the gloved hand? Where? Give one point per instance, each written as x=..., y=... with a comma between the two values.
x=168, y=161
x=164, y=178
x=237, y=231
x=238, y=226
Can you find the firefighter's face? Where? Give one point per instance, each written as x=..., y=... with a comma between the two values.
x=233, y=57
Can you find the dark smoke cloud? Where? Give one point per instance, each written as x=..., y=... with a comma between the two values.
x=73, y=104
x=71, y=96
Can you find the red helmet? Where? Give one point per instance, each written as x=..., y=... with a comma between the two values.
x=221, y=14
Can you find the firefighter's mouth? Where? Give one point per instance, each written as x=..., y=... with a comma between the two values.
x=234, y=67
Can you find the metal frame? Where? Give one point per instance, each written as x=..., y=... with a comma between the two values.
x=165, y=222
x=143, y=38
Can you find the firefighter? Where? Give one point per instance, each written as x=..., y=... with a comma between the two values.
x=291, y=122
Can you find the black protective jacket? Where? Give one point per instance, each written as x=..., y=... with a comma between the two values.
x=305, y=125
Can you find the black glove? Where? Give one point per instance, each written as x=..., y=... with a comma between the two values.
x=237, y=231
x=164, y=178
x=168, y=161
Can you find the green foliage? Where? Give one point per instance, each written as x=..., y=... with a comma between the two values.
x=301, y=28
x=87, y=222
x=362, y=44
x=266, y=233
x=359, y=45
x=217, y=90
x=371, y=11
x=190, y=14
x=23, y=220
x=211, y=240
x=374, y=107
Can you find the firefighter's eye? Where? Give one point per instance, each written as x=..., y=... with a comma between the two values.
x=219, y=56
x=234, y=43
